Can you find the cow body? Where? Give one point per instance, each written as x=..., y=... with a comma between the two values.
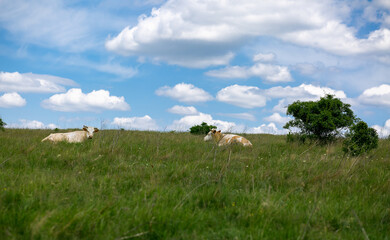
x=72, y=137
x=227, y=139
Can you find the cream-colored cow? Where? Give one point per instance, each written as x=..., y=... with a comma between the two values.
x=72, y=137
x=226, y=139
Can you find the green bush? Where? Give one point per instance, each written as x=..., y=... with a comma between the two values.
x=201, y=129
x=2, y=124
x=360, y=139
x=322, y=119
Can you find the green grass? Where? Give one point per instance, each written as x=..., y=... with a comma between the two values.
x=150, y=185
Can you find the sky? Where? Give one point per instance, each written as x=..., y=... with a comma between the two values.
x=168, y=65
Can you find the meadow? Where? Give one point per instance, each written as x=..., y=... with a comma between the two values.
x=167, y=185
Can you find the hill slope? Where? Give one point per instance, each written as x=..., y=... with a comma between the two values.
x=151, y=185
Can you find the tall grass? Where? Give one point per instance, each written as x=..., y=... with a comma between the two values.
x=152, y=185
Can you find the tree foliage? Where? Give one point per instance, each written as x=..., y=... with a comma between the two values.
x=360, y=139
x=201, y=129
x=2, y=124
x=322, y=119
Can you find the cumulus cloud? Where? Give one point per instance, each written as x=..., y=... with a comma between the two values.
x=184, y=92
x=31, y=124
x=303, y=92
x=377, y=11
x=74, y=100
x=383, y=131
x=268, y=72
x=30, y=82
x=136, y=123
x=242, y=96
x=277, y=118
x=204, y=33
x=251, y=97
x=377, y=96
x=281, y=106
x=185, y=123
x=9, y=100
x=182, y=110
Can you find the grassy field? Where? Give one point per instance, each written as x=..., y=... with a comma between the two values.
x=151, y=185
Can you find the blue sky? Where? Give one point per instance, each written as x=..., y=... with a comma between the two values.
x=167, y=65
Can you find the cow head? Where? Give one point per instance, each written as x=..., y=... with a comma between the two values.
x=213, y=134
x=90, y=131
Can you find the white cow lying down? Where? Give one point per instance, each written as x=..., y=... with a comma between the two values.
x=72, y=137
x=226, y=139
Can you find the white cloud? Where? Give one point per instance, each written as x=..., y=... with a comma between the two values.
x=267, y=129
x=9, y=100
x=184, y=92
x=185, y=123
x=245, y=116
x=242, y=96
x=30, y=82
x=377, y=11
x=384, y=131
x=303, y=92
x=31, y=124
x=251, y=97
x=277, y=118
x=136, y=123
x=182, y=31
x=264, y=57
x=270, y=73
x=337, y=38
x=281, y=106
x=182, y=110
x=377, y=96
x=75, y=100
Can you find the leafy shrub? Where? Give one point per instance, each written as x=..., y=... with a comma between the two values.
x=322, y=119
x=2, y=124
x=201, y=129
x=360, y=139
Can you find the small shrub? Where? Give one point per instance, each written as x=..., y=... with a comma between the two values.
x=56, y=130
x=360, y=139
x=201, y=129
x=2, y=124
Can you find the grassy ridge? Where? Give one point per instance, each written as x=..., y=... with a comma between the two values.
x=150, y=185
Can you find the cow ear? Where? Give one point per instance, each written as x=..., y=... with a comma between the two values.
x=219, y=131
x=96, y=130
x=85, y=128
x=214, y=130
